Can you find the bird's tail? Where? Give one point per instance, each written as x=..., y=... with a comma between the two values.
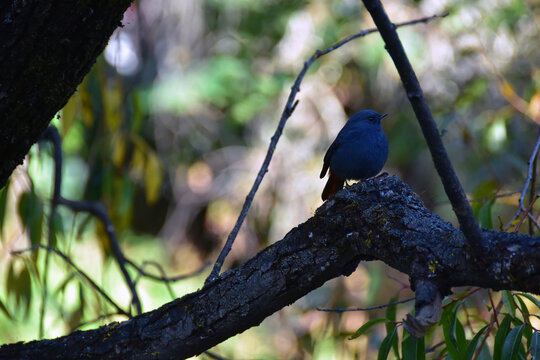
x=333, y=185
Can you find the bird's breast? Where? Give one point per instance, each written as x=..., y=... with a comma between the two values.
x=360, y=156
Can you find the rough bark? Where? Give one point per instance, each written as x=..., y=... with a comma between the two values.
x=46, y=48
x=377, y=219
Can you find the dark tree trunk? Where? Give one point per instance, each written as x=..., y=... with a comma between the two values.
x=46, y=48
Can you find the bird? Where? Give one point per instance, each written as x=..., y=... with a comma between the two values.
x=359, y=151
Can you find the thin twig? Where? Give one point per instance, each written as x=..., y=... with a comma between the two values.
x=492, y=323
x=368, y=308
x=467, y=294
x=496, y=318
x=164, y=278
x=287, y=112
x=78, y=270
x=51, y=134
x=521, y=208
x=443, y=165
x=434, y=347
x=163, y=273
x=99, y=211
x=532, y=191
x=526, y=214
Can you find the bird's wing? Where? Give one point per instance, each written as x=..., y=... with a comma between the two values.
x=331, y=150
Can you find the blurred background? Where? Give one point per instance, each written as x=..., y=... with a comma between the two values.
x=170, y=127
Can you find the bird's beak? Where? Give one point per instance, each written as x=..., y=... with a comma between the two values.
x=383, y=115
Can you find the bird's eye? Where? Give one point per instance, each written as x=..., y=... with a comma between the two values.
x=372, y=118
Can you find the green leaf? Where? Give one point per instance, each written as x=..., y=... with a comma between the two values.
x=448, y=329
x=391, y=325
x=457, y=333
x=31, y=213
x=77, y=315
x=484, y=215
x=534, y=349
x=521, y=305
x=62, y=286
x=471, y=348
x=460, y=336
x=512, y=343
x=485, y=193
x=527, y=334
x=58, y=229
x=366, y=327
x=531, y=298
x=23, y=290
x=484, y=354
x=508, y=302
x=504, y=328
x=386, y=345
x=391, y=312
x=413, y=349
x=4, y=309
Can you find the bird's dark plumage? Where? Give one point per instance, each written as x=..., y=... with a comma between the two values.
x=359, y=151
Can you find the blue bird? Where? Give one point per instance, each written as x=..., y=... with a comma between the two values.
x=359, y=151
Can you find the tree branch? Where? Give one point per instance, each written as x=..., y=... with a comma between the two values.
x=444, y=167
x=96, y=209
x=380, y=218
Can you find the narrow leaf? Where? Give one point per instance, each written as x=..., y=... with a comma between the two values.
x=448, y=330
x=508, y=302
x=4, y=309
x=534, y=349
x=366, y=327
x=531, y=298
x=390, y=325
x=471, y=348
x=512, y=343
x=386, y=345
x=413, y=349
x=504, y=328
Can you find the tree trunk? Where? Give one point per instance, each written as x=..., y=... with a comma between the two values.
x=46, y=48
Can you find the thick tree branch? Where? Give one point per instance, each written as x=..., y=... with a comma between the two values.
x=46, y=48
x=378, y=219
x=442, y=162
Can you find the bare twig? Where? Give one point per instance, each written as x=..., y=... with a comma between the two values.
x=444, y=167
x=492, y=323
x=287, y=112
x=495, y=313
x=469, y=292
x=532, y=193
x=530, y=172
x=99, y=211
x=368, y=308
x=51, y=134
x=526, y=213
x=163, y=277
x=78, y=270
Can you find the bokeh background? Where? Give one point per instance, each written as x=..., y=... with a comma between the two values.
x=171, y=125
